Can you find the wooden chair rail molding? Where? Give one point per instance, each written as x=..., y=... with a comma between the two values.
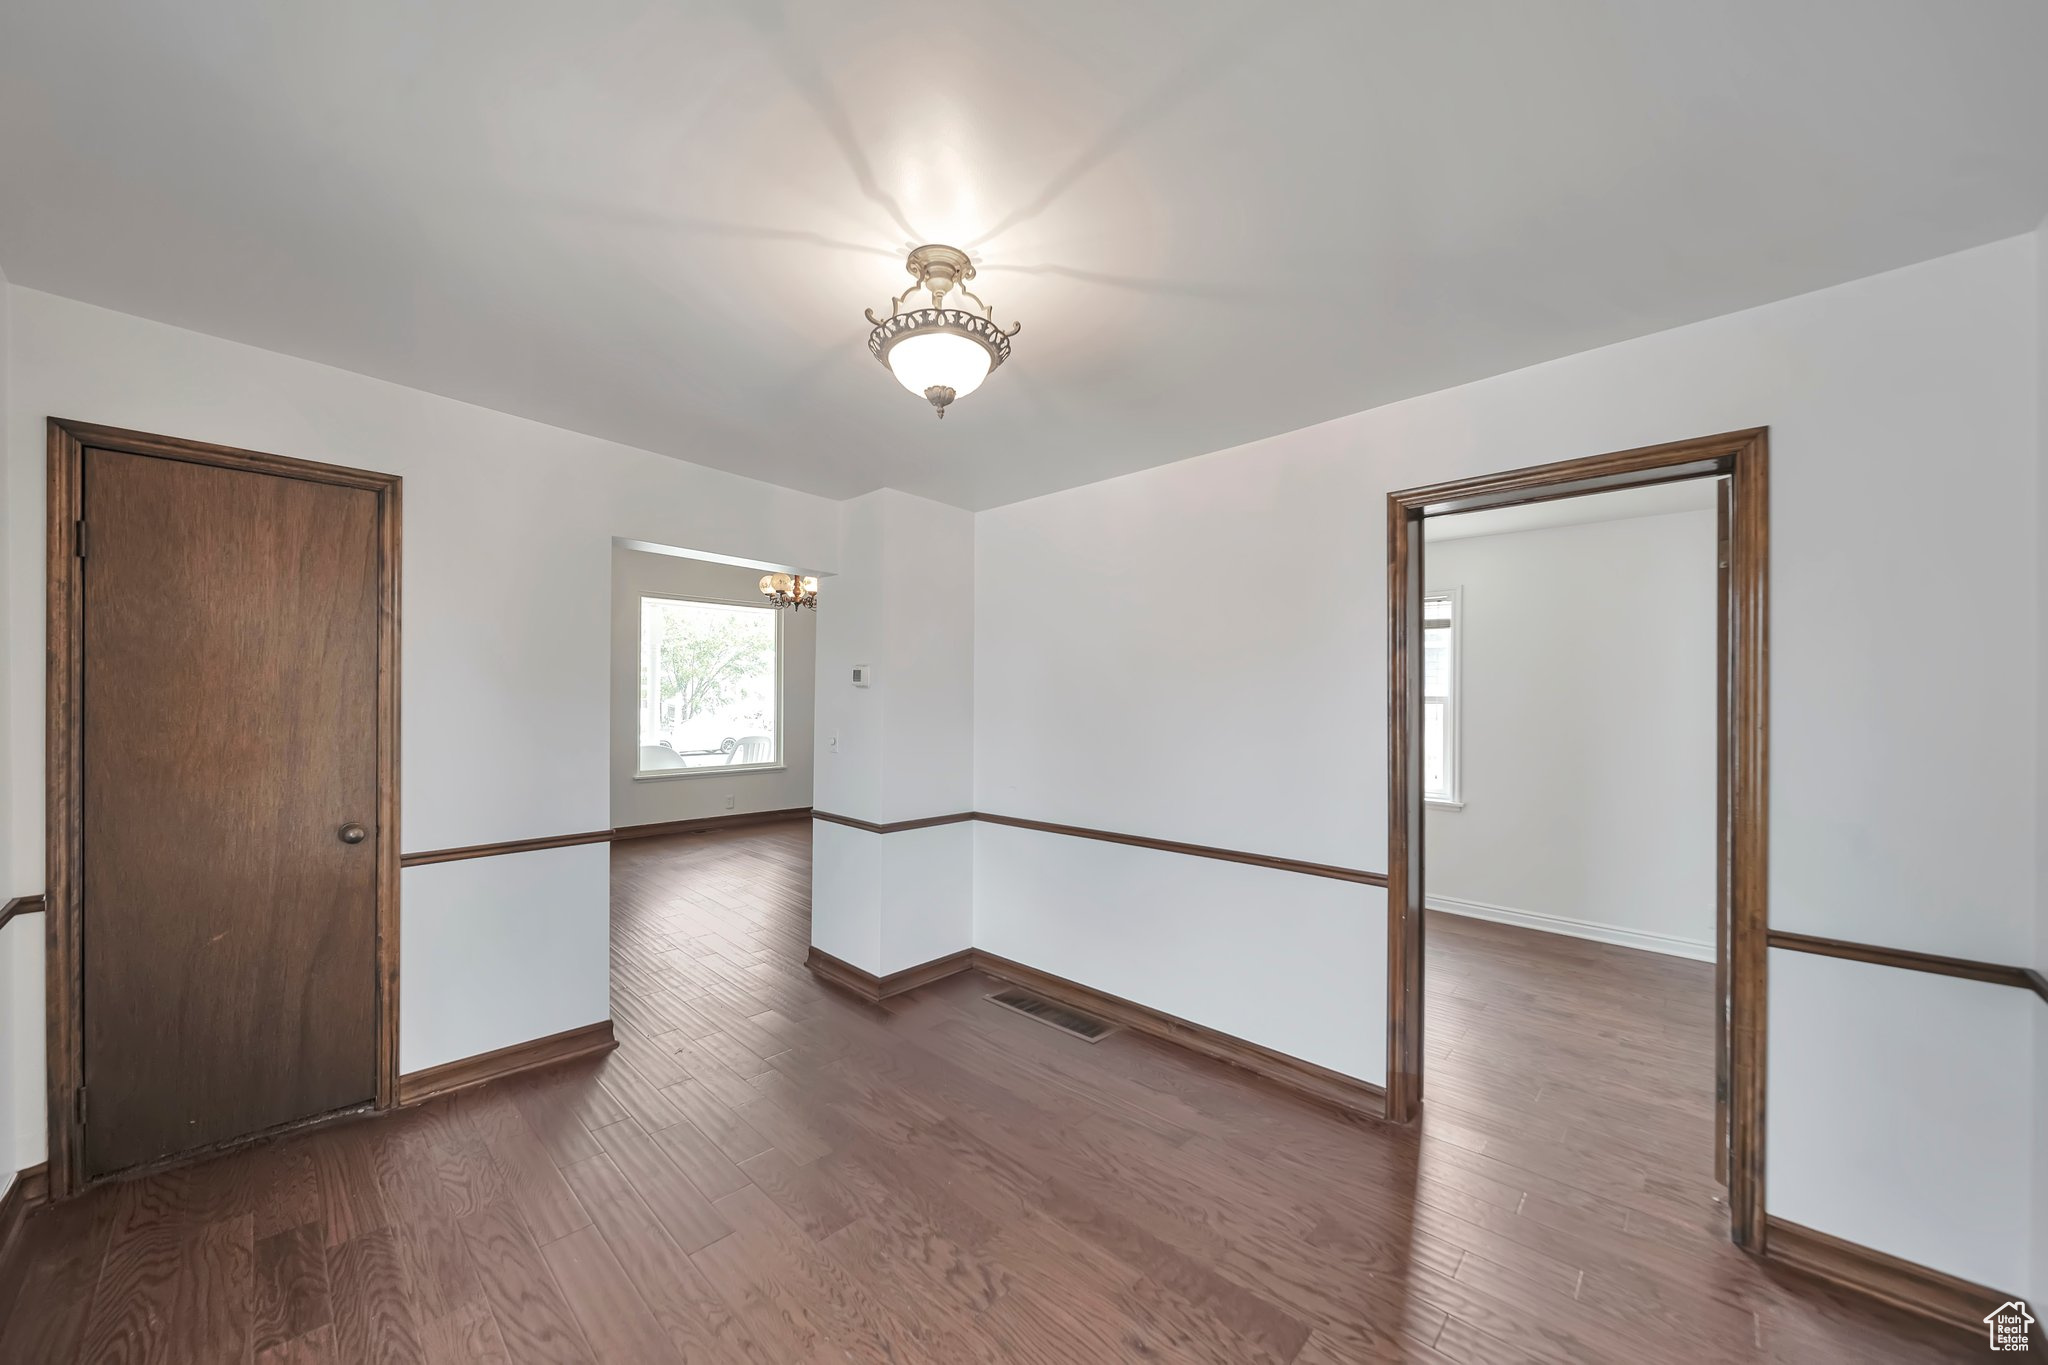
x=604, y=836
x=894, y=826
x=1997, y=973
x=2026, y=978
x=1228, y=855
x=20, y=905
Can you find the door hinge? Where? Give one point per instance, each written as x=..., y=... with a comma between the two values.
x=81, y=1106
x=78, y=537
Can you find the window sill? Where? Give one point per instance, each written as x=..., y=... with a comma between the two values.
x=1444, y=805
x=720, y=770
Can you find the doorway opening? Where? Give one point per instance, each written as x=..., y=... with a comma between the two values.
x=1422, y=761
x=713, y=693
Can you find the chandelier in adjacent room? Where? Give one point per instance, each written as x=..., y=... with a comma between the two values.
x=940, y=352
x=789, y=590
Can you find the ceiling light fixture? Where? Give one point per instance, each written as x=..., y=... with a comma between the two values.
x=789, y=590
x=942, y=353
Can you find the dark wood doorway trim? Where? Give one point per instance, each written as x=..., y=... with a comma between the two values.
x=68, y=443
x=1742, y=456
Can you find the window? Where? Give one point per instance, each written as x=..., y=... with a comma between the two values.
x=1440, y=612
x=710, y=687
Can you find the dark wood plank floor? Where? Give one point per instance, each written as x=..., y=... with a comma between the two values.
x=767, y=1171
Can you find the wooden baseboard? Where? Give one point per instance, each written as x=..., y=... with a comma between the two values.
x=843, y=974
x=1875, y=1274
x=467, y=1072
x=30, y=1190
x=875, y=989
x=1639, y=940
x=924, y=973
x=1334, y=1088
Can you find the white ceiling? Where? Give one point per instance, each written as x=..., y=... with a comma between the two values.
x=1689, y=495
x=659, y=222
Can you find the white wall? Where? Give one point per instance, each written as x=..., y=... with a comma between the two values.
x=1293, y=962
x=1586, y=731
x=1197, y=652
x=506, y=684
x=22, y=1064
x=1153, y=656
x=852, y=630
x=2039, y=1285
x=498, y=950
x=901, y=748
x=646, y=801
x=902, y=603
x=886, y=902
x=1858, y=1055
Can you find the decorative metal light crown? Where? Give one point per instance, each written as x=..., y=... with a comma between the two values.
x=789, y=590
x=940, y=352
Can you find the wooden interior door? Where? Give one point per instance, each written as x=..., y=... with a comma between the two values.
x=228, y=803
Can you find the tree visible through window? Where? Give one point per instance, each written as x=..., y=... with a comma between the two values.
x=1440, y=697
x=710, y=685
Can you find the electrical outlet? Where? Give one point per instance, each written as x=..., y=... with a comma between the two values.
x=729, y=801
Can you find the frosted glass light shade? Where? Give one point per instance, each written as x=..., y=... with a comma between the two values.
x=941, y=360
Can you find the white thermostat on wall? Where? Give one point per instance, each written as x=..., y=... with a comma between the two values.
x=861, y=674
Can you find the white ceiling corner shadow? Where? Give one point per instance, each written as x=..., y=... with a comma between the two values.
x=678, y=552
x=660, y=224
x=1656, y=500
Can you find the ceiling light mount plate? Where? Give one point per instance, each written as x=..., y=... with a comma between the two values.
x=939, y=351
x=939, y=268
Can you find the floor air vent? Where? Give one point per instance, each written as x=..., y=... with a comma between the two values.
x=1086, y=1027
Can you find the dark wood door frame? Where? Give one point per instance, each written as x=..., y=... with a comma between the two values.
x=1742, y=456
x=64, y=1004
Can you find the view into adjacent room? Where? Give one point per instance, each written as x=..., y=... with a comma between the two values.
x=1568, y=750
x=712, y=688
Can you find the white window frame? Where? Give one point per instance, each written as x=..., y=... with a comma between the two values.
x=1454, y=703
x=781, y=763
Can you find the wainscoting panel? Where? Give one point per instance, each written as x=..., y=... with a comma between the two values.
x=1295, y=964
x=1940, y=1057
x=498, y=951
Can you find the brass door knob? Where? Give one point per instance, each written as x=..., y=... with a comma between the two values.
x=353, y=834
